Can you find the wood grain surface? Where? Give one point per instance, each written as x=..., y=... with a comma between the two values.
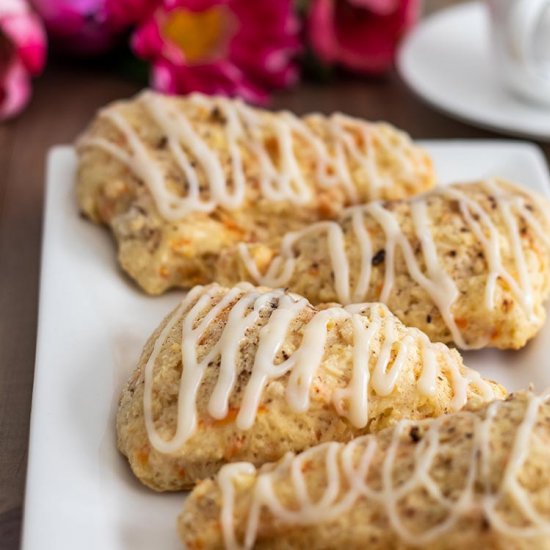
x=65, y=98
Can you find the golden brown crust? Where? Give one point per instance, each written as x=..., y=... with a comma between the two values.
x=508, y=325
x=161, y=254
x=277, y=429
x=366, y=523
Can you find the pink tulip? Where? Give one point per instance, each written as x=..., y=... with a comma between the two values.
x=361, y=35
x=90, y=27
x=22, y=55
x=123, y=13
x=228, y=47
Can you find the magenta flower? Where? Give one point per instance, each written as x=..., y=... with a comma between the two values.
x=22, y=55
x=90, y=27
x=361, y=35
x=124, y=13
x=228, y=47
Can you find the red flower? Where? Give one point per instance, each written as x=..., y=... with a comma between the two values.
x=90, y=27
x=123, y=13
x=22, y=54
x=229, y=47
x=361, y=35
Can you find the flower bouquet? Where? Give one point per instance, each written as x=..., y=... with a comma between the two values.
x=245, y=48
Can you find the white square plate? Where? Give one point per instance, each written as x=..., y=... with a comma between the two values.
x=92, y=325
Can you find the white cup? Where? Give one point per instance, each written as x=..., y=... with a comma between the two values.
x=521, y=44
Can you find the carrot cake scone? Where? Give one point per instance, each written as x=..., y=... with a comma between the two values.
x=179, y=179
x=477, y=479
x=466, y=263
x=250, y=373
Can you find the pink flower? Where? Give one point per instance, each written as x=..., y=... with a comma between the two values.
x=90, y=27
x=22, y=55
x=361, y=35
x=123, y=13
x=229, y=47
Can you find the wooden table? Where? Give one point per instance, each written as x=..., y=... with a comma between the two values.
x=65, y=98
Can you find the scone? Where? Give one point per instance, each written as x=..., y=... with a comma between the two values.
x=466, y=263
x=179, y=179
x=477, y=479
x=252, y=373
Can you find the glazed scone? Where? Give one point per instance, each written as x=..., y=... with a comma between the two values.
x=466, y=263
x=179, y=179
x=477, y=479
x=251, y=373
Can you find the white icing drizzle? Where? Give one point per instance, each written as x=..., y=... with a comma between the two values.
x=437, y=283
x=346, y=470
x=246, y=304
x=245, y=129
x=489, y=236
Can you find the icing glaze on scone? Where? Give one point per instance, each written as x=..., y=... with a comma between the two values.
x=438, y=483
x=425, y=269
x=281, y=179
x=179, y=179
x=251, y=373
x=246, y=305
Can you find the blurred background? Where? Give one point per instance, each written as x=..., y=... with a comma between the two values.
x=254, y=50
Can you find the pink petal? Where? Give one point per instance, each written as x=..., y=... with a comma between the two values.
x=321, y=30
x=28, y=36
x=192, y=5
x=147, y=41
x=84, y=27
x=163, y=78
x=13, y=7
x=25, y=31
x=380, y=7
x=15, y=90
x=358, y=38
x=123, y=13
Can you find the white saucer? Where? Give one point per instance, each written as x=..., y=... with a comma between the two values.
x=446, y=60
